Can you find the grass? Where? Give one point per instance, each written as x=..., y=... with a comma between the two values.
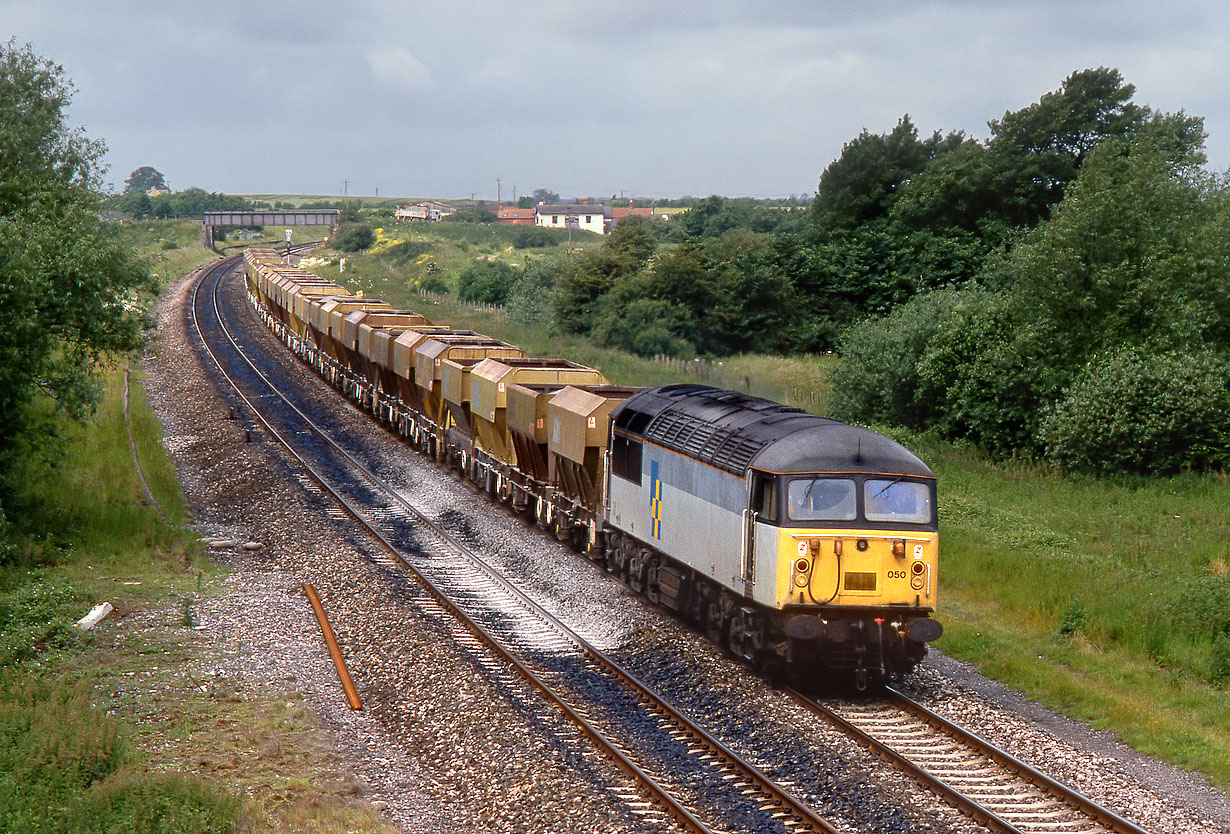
x=1087, y=595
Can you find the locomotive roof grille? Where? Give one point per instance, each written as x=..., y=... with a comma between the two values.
x=733, y=431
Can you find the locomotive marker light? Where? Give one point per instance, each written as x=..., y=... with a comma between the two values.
x=899, y=548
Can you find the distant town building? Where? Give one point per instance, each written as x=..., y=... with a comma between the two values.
x=588, y=217
x=513, y=216
x=618, y=214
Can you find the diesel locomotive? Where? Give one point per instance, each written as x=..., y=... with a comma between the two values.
x=805, y=546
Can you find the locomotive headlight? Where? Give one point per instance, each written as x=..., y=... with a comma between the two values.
x=899, y=548
x=802, y=568
x=917, y=580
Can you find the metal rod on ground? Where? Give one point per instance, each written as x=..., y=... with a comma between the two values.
x=352, y=694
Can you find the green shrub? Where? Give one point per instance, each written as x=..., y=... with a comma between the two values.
x=536, y=237
x=1074, y=619
x=432, y=282
x=477, y=215
x=983, y=375
x=529, y=303
x=1200, y=607
x=1142, y=412
x=353, y=237
x=153, y=803
x=646, y=327
x=407, y=251
x=487, y=282
x=876, y=378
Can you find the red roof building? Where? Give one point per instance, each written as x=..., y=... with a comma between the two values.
x=513, y=216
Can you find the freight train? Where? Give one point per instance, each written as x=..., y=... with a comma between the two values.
x=805, y=546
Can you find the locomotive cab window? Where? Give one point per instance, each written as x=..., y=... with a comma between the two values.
x=897, y=500
x=822, y=499
x=764, y=497
x=626, y=458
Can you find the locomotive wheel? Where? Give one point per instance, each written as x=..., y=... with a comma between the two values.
x=739, y=641
x=636, y=571
x=717, y=620
x=651, y=581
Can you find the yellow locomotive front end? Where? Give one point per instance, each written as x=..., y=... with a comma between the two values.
x=857, y=559
x=884, y=553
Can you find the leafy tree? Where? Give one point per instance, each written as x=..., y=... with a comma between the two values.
x=862, y=184
x=579, y=290
x=143, y=179
x=543, y=195
x=68, y=295
x=486, y=282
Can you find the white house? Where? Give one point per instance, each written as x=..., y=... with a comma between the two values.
x=584, y=216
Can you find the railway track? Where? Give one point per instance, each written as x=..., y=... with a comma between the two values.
x=681, y=772
x=991, y=786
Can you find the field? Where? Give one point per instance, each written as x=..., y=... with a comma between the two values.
x=1107, y=600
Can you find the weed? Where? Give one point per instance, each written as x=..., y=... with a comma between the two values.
x=187, y=620
x=1074, y=618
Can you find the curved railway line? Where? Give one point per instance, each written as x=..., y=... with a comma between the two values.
x=686, y=773
x=680, y=772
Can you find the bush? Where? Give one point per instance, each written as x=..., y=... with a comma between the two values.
x=432, y=281
x=1137, y=411
x=407, y=251
x=477, y=215
x=353, y=237
x=530, y=300
x=486, y=282
x=536, y=237
x=876, y=379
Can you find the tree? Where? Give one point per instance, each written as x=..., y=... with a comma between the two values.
x=862, y=184
x=143, y=179
x=542, y=195
x=69, y=293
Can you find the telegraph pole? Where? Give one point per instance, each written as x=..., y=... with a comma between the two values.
x=498, y=200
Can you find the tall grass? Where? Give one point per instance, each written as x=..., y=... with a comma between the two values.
x=64, y=764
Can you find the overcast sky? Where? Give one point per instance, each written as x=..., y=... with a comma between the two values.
x=631, y=98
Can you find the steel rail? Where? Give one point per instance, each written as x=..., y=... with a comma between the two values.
x=670, y=805
x=335, y=651
x=966, y=804
x=1006, y=760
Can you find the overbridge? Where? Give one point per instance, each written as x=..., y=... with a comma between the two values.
x=296, y=217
